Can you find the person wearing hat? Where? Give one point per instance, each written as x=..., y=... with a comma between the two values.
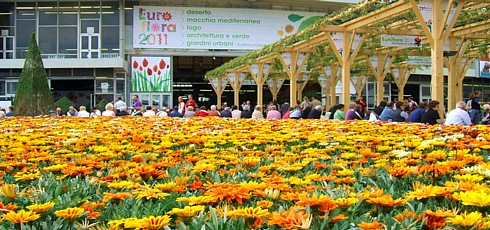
x=486, y=114
x=175, y=112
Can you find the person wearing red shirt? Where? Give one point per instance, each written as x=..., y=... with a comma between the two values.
x=362, y=102
x=202, y=112
x=190, y=102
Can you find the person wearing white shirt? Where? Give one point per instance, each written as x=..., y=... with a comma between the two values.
x=119, y=104
x=83, y=112
x=109, y=111
x=236, y=113
x=149, y=112
x=458, y=116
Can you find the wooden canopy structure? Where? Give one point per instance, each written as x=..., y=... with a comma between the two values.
x=451, y=32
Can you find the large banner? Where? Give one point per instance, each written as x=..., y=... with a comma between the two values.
x=485, y=65
x=214, y=28
x=151, y=74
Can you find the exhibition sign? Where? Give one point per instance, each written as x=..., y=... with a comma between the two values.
x=151, y=74
x=214, y=28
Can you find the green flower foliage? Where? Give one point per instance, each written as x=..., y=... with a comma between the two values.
x=33, y=96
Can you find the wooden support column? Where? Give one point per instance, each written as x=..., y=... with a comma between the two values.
x=236, y=80
x=334, y=74
x=219, y=85
x=456, y=65
x=401, y=74
x=325, y=83
x=303, y=79
x=259, y=72
x=347, y=45
x=437, y=27
x=293, y=62
x=359, y=83
x=379, y=65
x=275, y=85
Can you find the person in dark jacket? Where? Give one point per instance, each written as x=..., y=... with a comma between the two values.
x=175, y=112
x=378, y=110
x=246, y=112
x=397, y=114
x=123, y=111
x=226, y=112
x=315, y=113
x=431, y=116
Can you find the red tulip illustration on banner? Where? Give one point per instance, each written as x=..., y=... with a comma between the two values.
x=151, y=74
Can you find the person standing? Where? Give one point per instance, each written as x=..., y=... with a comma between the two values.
x=119, y=104
x=181, y=105
x=136, y=102
x=475, y=111
x=362, y=102
x=190, y=102
x=315, y=102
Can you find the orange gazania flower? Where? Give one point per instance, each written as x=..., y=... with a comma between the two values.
x=21, y=216
x=386, y=201
x=9, y=206
x=371, y=226
x=116, y=197
x=436, y=219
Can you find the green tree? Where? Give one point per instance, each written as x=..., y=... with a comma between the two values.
x=33, y=96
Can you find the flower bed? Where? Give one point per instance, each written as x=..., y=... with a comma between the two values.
x=143, y=173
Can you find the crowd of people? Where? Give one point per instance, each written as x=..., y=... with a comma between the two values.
x=474, y=111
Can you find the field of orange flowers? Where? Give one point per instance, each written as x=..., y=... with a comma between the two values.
x=151, y=173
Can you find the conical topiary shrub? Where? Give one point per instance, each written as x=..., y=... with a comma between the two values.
x=64, y=103
x=101, y=105
x=33, y=96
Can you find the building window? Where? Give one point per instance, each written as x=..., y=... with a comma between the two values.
x=11, y=87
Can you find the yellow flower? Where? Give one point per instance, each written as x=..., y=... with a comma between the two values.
x=345, y=202
x=187, y=211
x=345, y=172
x=251, y=212
x=473, y=198
x=9, y=191
x=203, y=167
x=21, y=217
x=426, y=192
x=153, y=222
x=70, y=214
x=166, y=187
x=470, y=178
x=150, y=194
x=27, y=176
x=466, y=220
x=123, y=184
x=192, y=200
x=41, y=208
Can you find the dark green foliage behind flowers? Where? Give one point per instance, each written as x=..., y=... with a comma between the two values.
x=64, y=103
x=101, y=105
x=33, y=96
